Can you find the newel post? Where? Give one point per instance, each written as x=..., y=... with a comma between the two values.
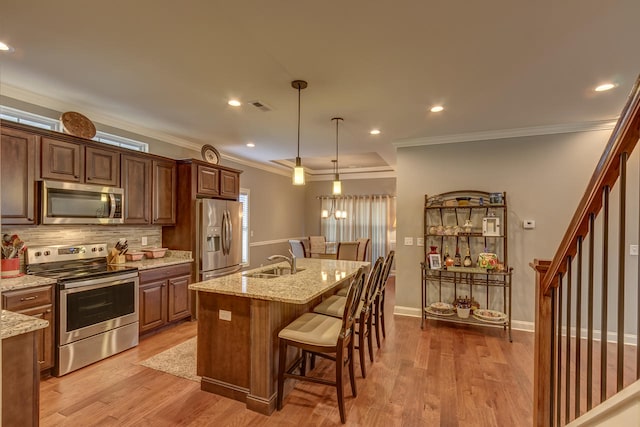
x=542, y=350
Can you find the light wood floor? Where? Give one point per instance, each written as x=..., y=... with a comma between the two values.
x=445, y=375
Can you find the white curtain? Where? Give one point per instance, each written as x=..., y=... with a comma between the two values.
x=367, y=217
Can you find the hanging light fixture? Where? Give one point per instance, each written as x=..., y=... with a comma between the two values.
x=298, y=170
x=337, y=185
x=333, y=212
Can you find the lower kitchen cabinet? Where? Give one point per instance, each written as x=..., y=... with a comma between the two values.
x=20, y=381
x=35, y=302
x=164, y=296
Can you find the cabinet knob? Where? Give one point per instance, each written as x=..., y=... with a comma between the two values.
x=48, y=311
x=29, y=219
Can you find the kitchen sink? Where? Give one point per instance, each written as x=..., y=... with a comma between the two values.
x=271, y=273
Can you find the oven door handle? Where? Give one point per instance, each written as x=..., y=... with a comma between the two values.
x=112, y=210
x=86, y=285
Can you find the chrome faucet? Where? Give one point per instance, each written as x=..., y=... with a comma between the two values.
x=291, y=261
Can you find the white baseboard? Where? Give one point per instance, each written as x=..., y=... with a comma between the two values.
x=406, y=311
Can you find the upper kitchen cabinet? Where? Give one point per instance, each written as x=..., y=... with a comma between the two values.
x=203, y=179
x=136, y=182
x=77, y=162
x=102, y=166
x=17, y=168
x=164, y=192
x=62, y=160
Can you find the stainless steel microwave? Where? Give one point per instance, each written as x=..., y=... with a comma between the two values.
x=70, y=203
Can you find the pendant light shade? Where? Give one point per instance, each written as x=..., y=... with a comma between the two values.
x=337, y=184
x=298, y=170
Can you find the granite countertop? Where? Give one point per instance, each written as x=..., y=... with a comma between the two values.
x=24, y=282
x=318, y=276
x=17, y=324
x=170, y=258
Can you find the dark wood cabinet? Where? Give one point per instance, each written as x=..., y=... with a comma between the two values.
x=36, y=302
x=17, y=167
x=229, y=184
x=208, y=181
x=62, y=160
x=136, y=182
x=20, y=381
x=164, y=192
x=102, y=166
x=164, y=296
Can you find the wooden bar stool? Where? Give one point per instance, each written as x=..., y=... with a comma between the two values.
x=378, y=304
x=323, y=336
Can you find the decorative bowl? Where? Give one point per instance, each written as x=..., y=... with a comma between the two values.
x=154, y=252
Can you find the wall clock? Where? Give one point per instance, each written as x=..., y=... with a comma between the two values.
x=210, y=154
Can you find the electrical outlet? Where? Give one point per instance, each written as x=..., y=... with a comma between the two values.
x=144, y=241
x=408, y=241
x=633, y=250
x=224, y=315
x=420, y=241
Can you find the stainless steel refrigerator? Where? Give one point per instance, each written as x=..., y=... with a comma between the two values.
x=219, y=237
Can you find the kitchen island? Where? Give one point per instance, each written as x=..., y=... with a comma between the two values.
x=239, y=318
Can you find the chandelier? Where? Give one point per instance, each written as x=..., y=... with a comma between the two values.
x=333, y=212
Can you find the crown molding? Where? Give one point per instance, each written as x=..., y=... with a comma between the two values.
x=507, y=133
x=258, y=165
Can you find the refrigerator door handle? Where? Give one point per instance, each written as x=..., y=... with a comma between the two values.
x=230, y=233
x=224, y=232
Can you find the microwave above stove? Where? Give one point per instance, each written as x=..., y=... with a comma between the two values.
x=70, y=203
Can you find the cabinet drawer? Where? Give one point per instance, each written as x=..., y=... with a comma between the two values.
x=162, y=273
x=26, y=298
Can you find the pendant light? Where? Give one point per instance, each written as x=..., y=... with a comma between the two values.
x=298, y=170
x=337, y=185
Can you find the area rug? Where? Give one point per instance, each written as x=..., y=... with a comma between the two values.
x=179, y=360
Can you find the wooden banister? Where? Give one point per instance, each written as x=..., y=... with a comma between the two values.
x=623, y=140
x=542, y=349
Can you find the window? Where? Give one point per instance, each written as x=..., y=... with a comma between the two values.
x=14, y=115
x=244, y=199
x=11, y=114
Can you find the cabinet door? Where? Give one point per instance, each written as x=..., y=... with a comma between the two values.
x=17, y=167
x=164, y=192
x=136, y=182
x=44, y=337
x=102, y=166
x=179, y=306
x=229, y=184
x=153, y=305
x=62, y=160
x=208, y=181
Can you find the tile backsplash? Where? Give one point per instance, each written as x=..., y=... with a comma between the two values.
x=43, y=235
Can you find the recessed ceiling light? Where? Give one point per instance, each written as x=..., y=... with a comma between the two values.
x=375, y=132
x=603, y=87
x=437, y=108
x=5, y=47
x=235, y=103
x=250, y=144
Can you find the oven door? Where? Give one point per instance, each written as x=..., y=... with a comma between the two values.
x=90, y=307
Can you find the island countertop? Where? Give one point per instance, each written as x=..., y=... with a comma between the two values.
x=315, y=277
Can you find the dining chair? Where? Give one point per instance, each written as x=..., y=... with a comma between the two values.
x=378, y=304
x=317, y=245
x=348, y=251
x=334, y=306
x=323, y=336
x=363, y=248
x=297, y=247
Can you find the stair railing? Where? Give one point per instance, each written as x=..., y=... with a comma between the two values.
x=573, y=289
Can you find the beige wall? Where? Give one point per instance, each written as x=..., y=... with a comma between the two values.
x=544, y=177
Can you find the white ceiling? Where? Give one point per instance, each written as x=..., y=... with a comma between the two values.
x=167, y=68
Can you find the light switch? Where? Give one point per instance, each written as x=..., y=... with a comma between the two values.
x=224, y=315
x=144, y=241
x=408, y=241
x=633, y=250
x=420, y=241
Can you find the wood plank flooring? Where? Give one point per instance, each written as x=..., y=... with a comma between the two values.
x=447, y=375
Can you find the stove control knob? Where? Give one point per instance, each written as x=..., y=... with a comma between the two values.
x=38, y=253
x=94, y=249
x=100, y=249
x=47, y=253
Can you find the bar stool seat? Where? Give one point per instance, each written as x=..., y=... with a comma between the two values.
x=334, y=306
x=313, y=329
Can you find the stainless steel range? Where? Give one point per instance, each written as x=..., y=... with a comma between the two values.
x=96, y=304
